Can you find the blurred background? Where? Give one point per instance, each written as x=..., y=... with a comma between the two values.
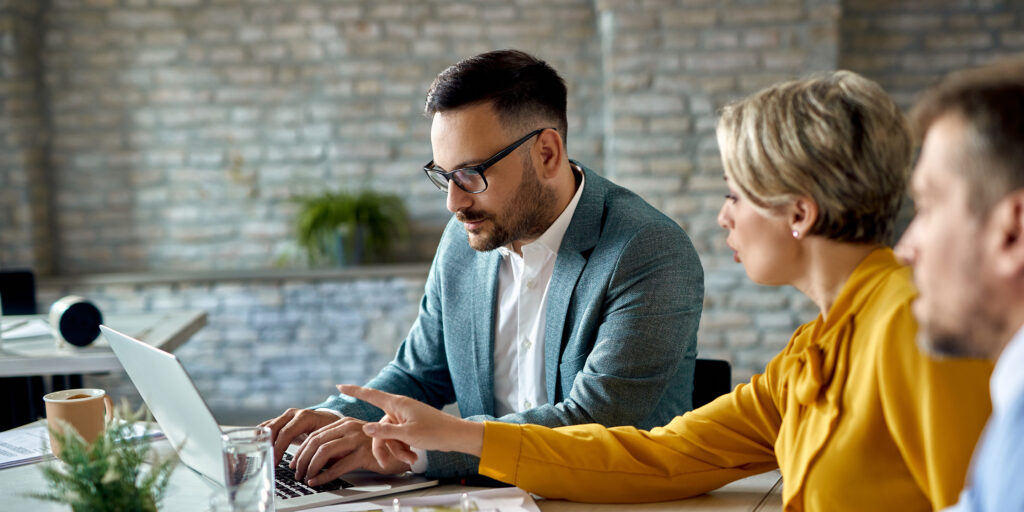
x=160, y=155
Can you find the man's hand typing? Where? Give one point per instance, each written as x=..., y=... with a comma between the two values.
x=292, y=424
x=336, y=449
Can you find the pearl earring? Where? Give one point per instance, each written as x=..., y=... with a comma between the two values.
x=796, y=234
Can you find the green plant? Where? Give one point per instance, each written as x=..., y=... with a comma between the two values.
x=107, y=475
x=368, y=220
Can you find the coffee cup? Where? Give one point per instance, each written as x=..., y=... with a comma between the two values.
x=84, y=409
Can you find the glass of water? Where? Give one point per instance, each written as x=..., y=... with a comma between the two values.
x=249, y=468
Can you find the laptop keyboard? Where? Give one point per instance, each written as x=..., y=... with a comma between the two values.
x=286, y=486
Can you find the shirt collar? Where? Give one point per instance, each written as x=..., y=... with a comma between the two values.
x=1007, y=382
x=551, y=239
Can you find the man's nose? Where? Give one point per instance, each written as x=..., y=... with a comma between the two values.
x=905, y=251
x=458, y=199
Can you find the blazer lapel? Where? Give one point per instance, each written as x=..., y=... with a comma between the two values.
x=485, y=296
x=581, y=236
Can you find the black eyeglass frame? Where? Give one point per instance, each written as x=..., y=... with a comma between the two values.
x=430, y=169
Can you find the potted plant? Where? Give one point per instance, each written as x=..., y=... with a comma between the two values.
x=108, y=475
x=350, y=228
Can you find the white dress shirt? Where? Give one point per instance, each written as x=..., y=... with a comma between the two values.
x=523, y=282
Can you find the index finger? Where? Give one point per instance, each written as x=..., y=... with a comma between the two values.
x=381, y=399
x=294, y=428
x=276, y=424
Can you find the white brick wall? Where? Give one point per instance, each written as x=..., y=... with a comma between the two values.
x=181, y=128
x=270, y=342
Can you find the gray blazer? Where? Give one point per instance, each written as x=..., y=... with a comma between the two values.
x=620, y=336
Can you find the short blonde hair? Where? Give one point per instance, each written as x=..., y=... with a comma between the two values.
x=839, y=140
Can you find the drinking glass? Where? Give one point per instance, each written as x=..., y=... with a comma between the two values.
x=249, y=468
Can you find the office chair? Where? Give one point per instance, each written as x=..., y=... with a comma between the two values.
x=711, y=378
x=21, y=398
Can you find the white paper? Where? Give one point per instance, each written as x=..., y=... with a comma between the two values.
x=505, y=499
x=24, y=445
x=32, y=444
x=20, y=329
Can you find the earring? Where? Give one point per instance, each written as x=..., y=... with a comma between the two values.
x=796, y=234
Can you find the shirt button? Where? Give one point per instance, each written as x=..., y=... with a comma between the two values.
x=527, y=344
x=527, y=404
x=529, y=284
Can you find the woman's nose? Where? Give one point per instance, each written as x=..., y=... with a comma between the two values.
x=723, y=217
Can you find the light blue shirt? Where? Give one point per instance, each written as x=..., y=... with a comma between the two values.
x=996, y=478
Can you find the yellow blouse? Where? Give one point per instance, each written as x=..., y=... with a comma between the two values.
x=851, y=412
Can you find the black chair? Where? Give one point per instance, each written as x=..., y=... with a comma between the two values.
x=712, y=378
x=21, y=398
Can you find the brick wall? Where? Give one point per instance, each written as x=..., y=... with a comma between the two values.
x=181, y=129
x=673, y=65
x=907, y=46
x=24, y=225
x=270, y=342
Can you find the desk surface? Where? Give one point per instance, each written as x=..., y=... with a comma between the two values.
x=42, y=356
x=189, y=492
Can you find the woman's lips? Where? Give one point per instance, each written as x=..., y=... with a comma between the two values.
x=735, y=253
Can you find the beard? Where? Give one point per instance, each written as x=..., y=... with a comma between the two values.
x=976, y=337
x=972, y=331
x=944, y=344
x=525, y=217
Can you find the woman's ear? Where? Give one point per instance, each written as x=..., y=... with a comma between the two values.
x=802, y=213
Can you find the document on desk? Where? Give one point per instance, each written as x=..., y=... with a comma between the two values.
x=21, y=329
x=505, y=499
x=32, y=444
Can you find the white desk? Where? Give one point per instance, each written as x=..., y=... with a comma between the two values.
x=189, y=492
x=42, y=356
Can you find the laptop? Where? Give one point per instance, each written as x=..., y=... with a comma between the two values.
x=189, y=425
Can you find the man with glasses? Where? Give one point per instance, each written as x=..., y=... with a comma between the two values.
x=555, y=296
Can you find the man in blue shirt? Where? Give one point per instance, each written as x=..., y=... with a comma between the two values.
x=966, y=244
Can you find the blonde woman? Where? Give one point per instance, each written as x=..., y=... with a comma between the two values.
x=851, y=412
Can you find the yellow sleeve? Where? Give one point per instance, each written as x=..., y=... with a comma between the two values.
x=935, y=409
x=730, y=438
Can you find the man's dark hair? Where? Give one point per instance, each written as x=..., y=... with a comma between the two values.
x=523, y=89
x=990, y=101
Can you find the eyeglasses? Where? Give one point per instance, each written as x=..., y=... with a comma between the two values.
x=471, y=179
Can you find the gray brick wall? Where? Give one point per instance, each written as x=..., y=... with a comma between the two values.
x=673, y=65
x=24, y=225
x=270, y=342
x=181, y=128
x=907, y=46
